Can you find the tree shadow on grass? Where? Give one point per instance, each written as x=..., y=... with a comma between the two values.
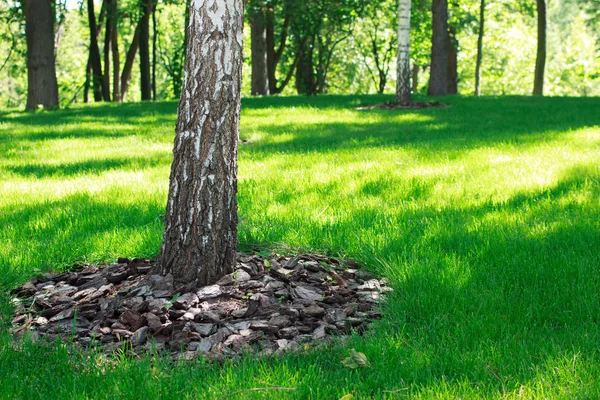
x=95, y=166
x=469, y=125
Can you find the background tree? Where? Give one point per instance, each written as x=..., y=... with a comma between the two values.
x=42, y=87
x=480, y=33
x=258, y=37
x=438, y=83
x=403, y=88
x=540, y=60
x=200, y=236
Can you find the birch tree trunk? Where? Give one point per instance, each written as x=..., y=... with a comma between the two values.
x=42, y=87
x=403, y=92
x=540, y=61
x=200, y=237
x=479, y=49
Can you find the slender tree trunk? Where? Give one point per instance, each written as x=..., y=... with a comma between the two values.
x=42, y=87
x=258, y=33
x=540, y=61
x=107, y=45
x=452, y=66
x=200, y=236
x=100, y=90
x=415, y=78
x=479, y=48
x=438, y=85
x=115, y=53
x=154, y=53
x=270, y=43
x=145, y=76
x=403, y=93
x=86, y=85
x=129, y=60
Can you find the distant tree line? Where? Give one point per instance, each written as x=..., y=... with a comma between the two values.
x=309, y=47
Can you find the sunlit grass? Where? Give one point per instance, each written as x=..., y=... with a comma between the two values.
x=485, y=216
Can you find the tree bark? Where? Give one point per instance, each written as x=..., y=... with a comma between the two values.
x=200, y=237
x=154, y=37
x=115, y=53
x=258, y=33
x=438, y=85
x=42, y=87
x=479, y=48
x=540, y=61
x=305, y=76
x=100, y=90
x=107, y=45
x=145, y=76
x=415, y=78
x=452, y=66
x=129, y=60
x=403, y=92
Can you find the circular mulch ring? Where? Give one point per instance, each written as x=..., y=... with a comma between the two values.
x=267, y=305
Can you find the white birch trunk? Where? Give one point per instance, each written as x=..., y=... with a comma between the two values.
x=200, y=237
x=403, y=94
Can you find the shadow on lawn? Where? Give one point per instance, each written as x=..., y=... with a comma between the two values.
x=95, y=167
x=467, y=125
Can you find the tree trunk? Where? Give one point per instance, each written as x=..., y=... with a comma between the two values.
x=100, y=91
x=154, y=37
x=403, y=93
x=86, y=85
x=258, y=33
x=439, y=55
x=305, y=76
x=415, y=78
x=200, y=236
x=145, y=77
x=129, y=60
x=115, y=53
x=452, y=66
x=107, y=46
x=479, y=49
x=42, y=87
x=270, y=43
x=540, y=61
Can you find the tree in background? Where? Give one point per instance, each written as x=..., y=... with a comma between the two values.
x=146, y=10
x=258, y=37
x=403, y=88
x=200, y=237
x=438, y=82
x=42, y=87
x=540, y=60
x=480, y=33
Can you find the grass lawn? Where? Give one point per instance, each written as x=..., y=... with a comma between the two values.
x=485, y=217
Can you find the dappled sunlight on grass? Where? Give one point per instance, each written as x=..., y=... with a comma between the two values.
x=485, y=216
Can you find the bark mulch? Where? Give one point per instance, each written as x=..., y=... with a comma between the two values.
x=267, y=305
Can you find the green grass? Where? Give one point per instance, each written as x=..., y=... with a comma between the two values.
x=485, y=217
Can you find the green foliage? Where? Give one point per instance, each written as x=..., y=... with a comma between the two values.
x=484, y=217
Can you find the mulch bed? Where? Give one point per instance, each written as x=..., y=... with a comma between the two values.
x=267, y=305
x=417, y=105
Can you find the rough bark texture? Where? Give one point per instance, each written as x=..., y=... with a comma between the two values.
x=145, y=76
x=258, y=33
x=479, y=48
x=439, y=56
x=452, y=66
x=42, y=87
x=540, y=61
x=200, y=237
x=403, y=89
